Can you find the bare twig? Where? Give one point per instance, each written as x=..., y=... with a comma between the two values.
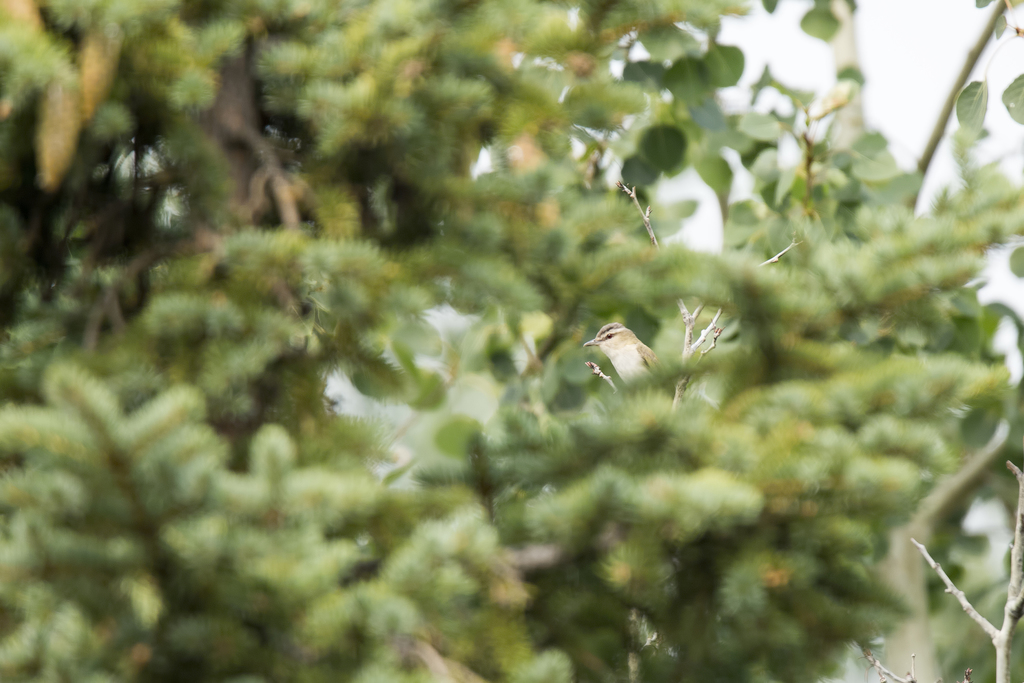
x=596, y=370
x=939, y=129
x=1002, y=639
x=645, y=214
x=984, y=623
x=714, y=342
x=775, y=259
x=884, y=674
x=440, y=667
x=708, y=330
x=680, y=388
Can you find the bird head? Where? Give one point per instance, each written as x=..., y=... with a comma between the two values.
x=613, y=336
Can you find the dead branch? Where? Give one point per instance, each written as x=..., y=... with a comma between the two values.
x=951, y=588
x=775, y=259
x=884, y=674
x=596, y=369
x=646, y=215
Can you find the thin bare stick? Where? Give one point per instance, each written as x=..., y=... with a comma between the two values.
x=775, y=259
x=596, y=370
x=1009, y=8
x=645, y=214
x=883, y=673
x=714, y=342
x=984, y=623
x=1017, y=555
x=680, y=388
x=708, y=330
x=939, y=129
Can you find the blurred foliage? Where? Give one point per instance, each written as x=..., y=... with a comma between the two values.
x=209, y=209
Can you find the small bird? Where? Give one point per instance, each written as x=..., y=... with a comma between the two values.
x=630, y=356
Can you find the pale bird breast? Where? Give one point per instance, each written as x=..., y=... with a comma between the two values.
x=627, y=361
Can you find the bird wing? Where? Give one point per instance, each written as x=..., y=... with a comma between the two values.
x=648, y=357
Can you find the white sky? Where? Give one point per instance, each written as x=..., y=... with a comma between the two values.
x=910, y=53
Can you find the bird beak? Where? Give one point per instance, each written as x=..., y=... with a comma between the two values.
x=592, y=342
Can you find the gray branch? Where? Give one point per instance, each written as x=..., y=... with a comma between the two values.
x=951, y=588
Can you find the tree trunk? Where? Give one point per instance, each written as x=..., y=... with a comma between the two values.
x=849, y=123
x=904, y=570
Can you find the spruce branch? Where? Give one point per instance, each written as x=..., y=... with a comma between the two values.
x=951, y=588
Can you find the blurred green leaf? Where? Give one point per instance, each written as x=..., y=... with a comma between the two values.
x=1013, y=98
x=644, y=72
x=716, y=172
x=876, y=169
x=1017, y=262
x=1000, y=26
x=663, y=146
x=820, y=23
x=688, y=79
x=453, y=437
x=725, y=64
x=978, y=426
x=786, y=178
x=709, y=115
x=971, y=105
x=760, y=126
x=636, y=171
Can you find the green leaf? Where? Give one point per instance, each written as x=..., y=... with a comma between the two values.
x=971, y=105
x=430, y=391
x=643, y=72
x=454, y=435
x=786, y=178
x=851, y=73
x=876, y=169
x=1013, y=98
x=760, y=126
x=982, y=3
x=669, y=44
x=766, y=166
x=770, y=5
x=709, y=115
x=725, y=64
x=688, y=80
x=1017, y=262
x=820, y=23
x=979, y=425
x=1000, y=26
x=636, y=171
x=716, y=172
x=663, y=146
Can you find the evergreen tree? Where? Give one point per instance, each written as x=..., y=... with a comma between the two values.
x=210, y=208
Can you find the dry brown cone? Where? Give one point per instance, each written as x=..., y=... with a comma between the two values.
x=57, y=133
x=22, y=11
x=97, y=60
